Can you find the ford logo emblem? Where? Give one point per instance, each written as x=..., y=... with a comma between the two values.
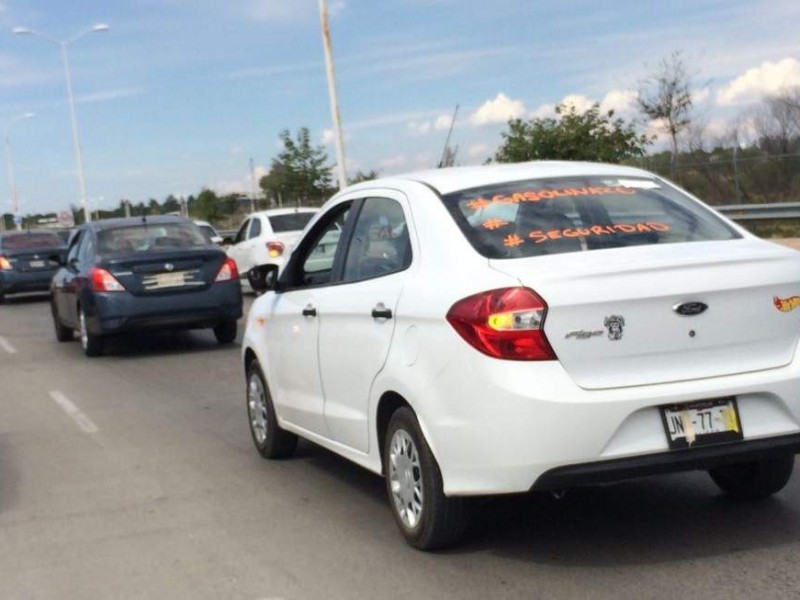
x=690, y=309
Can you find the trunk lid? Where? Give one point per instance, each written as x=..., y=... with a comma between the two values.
x=147, y=273
x=612, y=318
x=35, y=259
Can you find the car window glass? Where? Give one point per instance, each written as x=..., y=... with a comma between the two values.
x=242, y=232
x=577, y=214
x=86, y=249
x=74, y=247
x=380, y=244
x=255, y=229
x=147, y=237
x=316, y=264
x=290, y=222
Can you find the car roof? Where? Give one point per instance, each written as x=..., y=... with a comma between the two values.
x=453, y=179
x=275, y=212
x=131, y=221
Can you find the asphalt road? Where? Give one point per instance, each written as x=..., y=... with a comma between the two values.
x=134, y=476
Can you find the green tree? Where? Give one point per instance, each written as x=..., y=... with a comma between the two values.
x=300, y=173
x=206, y=206
x=571, y=135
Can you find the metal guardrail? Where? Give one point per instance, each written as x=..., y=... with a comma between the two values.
x=753, y=212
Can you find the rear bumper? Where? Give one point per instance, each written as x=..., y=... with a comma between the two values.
x=14, y=282
x=120, y=312
x=709, y=457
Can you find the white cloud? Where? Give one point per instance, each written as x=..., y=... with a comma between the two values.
x=107, y=95
x=622, y=102
x=499, y=110
x=237, y=150
x=442, y=122
x=700, y=96
x=478, y=151
x=243, y=185
x=768, y=78
x=328, y=137
x=393, y=162
x=419, y=127
x=282, y=10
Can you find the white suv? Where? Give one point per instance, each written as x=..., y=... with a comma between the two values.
x=266, y=237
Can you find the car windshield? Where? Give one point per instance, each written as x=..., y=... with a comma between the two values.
x=552, y=216
x=150, y=238
x=208, y=232
x=290, y=222
x=30, y=241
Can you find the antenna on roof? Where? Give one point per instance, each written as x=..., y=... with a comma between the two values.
x=446, y=154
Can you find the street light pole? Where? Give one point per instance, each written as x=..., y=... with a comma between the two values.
x=341, y=167
x=87, y=215
x=11, y=183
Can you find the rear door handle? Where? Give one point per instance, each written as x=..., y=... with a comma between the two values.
x=381, y=312
x=309, y=311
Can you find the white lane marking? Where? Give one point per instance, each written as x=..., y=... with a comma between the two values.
x=6, y=345
x=84, y=422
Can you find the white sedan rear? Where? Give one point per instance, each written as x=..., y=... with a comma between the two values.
x=538, y=326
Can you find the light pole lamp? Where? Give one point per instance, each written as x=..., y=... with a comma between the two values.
x=63, y=44
x=11, y=183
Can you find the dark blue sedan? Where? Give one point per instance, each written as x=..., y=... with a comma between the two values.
x=144, y=273
x=28, y=260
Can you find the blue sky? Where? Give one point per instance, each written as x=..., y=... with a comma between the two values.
x=179, y=94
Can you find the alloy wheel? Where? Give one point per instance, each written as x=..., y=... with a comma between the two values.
x=257, y=407
x=405, y=478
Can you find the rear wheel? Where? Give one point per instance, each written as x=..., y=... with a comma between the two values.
x=63, y=334
x=754, y=480
x=271, y=441
x=426, y=517
x=225, y=332
x=92, y=344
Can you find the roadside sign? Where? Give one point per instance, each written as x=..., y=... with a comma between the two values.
x=17, y=220
x=66, y=219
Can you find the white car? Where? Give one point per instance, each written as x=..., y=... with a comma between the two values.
x=267, y=237
x=500, y=329
x=209, y=232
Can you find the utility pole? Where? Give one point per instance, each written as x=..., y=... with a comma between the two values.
x=447, y=141
x=341, y=166
x=252, y=186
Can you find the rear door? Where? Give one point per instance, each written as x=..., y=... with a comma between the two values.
x=357, y=315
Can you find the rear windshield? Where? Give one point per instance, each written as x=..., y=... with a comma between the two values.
x=150, y=238
x=30, y=241
x=291, y=222
x=208, y=231
x=552, y=216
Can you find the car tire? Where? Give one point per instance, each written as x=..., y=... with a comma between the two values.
x=270, y=440
x=754, y=480
x=92, y=344
x=225, y=332
x=63, y=333
x=427, y=518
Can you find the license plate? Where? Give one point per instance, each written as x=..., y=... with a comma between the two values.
x=702, y=423
x=169, y=279
x=36, y=264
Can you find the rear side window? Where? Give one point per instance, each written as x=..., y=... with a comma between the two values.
x=255, y=229
x=552, y=216
x=291, y=222
x=149, y=238
x=30, y=241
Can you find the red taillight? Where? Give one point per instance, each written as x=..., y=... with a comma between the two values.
x=227, y=272
x=5, y=264
x=103, y=281
x=275, y=249
x=505, y=323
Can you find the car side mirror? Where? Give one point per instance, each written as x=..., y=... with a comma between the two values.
x=263, y=278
